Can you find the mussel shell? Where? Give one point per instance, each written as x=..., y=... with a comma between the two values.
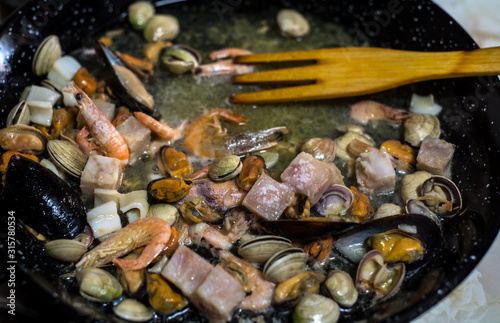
x=47, y=53
x=306, y=229
x=352, y=243
x=108, y=61
x=42, y=200
x=67, y=156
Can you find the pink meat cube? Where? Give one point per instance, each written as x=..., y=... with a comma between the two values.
x=100, y=172
x=219, y=295
x=187, y=270
x=435, y=156
x=374, y=172
x=268, y=198
x=310, y=176
x=136, y=135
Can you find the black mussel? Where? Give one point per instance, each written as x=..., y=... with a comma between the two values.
x=124, y=84
x=353, y=243
x=42, y=200
x=306, y=229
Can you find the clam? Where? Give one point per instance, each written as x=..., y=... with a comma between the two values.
x=340, y=286
x=42, y=200
x=419, y=126
x=284, y=265
x=161, y=27
x=98, y=285
x=139, y=13
x=323, y=149
x=67, y=156
x=343, y=142
x=387, y=209
x=411, y=184
x=123, y=82
x=252, y=167
x=442, y=195
x=20, y=114
x=47, y=53
x=65, y=249
x=169, y=189
x=289, y=292
x=165, y=212
x=133, y=281
x=23, y=139
x=397, y=245
x=374, y=275
x=132, y=310
x=197, y=210
x=225, y=168
x=292, y=23
x=316, y=308
x=261, y=248
x=336, y=200
x=180, y=59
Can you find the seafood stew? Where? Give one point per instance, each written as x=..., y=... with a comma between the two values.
x=465, y=236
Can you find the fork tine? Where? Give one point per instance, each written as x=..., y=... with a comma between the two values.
x=295, y=74
x=292, y=56
x=294, y=93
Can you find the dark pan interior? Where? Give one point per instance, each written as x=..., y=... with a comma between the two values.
x=470, y=120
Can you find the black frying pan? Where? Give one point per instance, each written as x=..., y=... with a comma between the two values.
x=470, y=119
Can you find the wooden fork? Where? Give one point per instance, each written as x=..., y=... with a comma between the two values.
x=353, y=71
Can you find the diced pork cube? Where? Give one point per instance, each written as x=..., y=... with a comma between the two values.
x=219, y=295
x=374, y=172
x=136, y=135
x=435, y=156
x=310, y=176
x=186, y=270
x=100, y=172
x=268, y=198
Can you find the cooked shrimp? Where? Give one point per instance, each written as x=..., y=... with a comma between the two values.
x=84, y=141
x=262, y=290
x=228, y=52
x=161, y=129
x=220, y=241
x=154, y=233
x=104, y=133
x=206, y=138
x=365, y=111
x=226, y=66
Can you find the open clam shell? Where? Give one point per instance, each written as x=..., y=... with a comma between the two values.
x=67, y=156
x=20, y=114
x=65, y=249
x=47, y=53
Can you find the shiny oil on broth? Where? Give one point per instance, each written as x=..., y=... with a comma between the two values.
x=187, y=96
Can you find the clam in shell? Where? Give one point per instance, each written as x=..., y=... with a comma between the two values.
x=132, y=310
x=285, y=264
x=65, y=249
x=98, y=285
x=67, y=156
x=260, y=249
x=292, y=23
x=19, y=114
x=47, y=53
